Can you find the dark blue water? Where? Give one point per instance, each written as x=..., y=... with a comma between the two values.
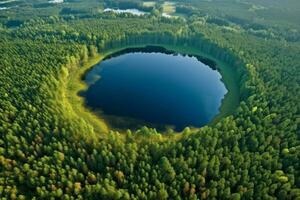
x=155, y=88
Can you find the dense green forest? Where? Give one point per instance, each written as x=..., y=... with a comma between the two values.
x=51, y=147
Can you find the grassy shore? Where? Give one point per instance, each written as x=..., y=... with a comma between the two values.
x=76, y=84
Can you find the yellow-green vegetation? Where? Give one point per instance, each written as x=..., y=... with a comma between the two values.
x=168, y=7
x=149, y=4
x=74, y=85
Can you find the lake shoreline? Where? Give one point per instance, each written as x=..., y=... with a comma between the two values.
x=76, y=85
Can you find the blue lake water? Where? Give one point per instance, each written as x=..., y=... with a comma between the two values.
x=155, y=87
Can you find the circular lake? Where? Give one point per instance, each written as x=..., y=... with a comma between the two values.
x=155, y=87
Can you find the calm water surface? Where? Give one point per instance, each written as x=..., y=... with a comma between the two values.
x=155, y=86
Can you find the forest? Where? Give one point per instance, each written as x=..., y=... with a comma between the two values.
x=53, y=147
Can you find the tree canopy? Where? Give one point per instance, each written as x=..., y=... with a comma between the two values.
x=48, y=151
